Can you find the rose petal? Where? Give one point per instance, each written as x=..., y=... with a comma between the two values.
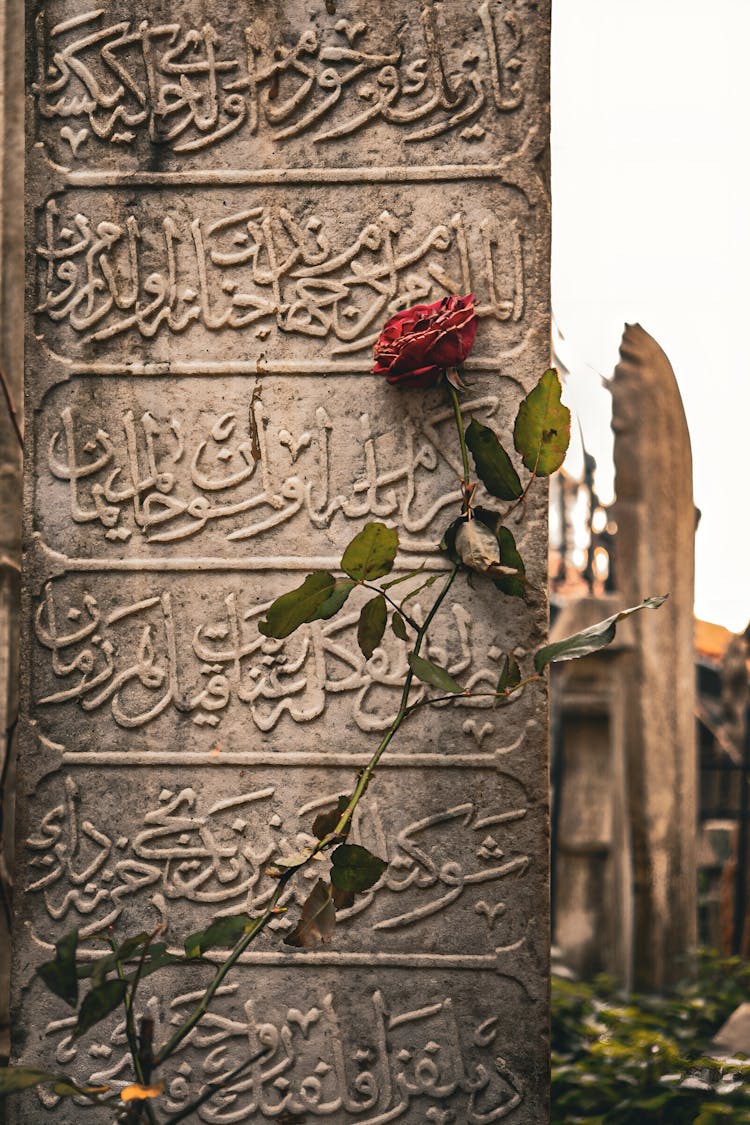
x=420, y=379
x=417, y=344
x=415, y=351
x=455, y=342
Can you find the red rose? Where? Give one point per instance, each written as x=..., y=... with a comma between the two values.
x=417, y=345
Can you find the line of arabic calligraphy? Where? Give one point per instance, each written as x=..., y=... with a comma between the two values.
x=219, y=860
x=131, y=658
x=263, y=267
x=371, y=1069
x=168, y=479
x=189, y=89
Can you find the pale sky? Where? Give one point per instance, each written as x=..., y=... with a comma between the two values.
x=651, y=223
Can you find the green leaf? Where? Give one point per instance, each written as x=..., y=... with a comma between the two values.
x=542, y=429
x=341, y=591
x=398, y=625
x=372, y=622
x=158, y=959
x=291, y=610
x=591, y=639
x=104, y=937
x=105, y=964
x=433, y=674
x=85, y=969
x=60, y=975
x=448, y=542
x=15, y=1078
x=100, y=1001
x=355, y=869
x=514, y=585
x=325, y=822
x=418, y=589
x=222, y=933
x=371, y=553
x=510, y=674
x=342, y=900
x=494, y=466
x=130, y=945
x=403, y=578
x=66, y=1087
x=318, y=919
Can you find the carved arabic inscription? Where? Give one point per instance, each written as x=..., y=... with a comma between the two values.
x=381, y=1061
x=176, y=271
x=176, y=649
x=227, y=204
x=103, y=82
x=454, y=865
x=124, y=475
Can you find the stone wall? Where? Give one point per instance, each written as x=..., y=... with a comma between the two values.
x=625, y=899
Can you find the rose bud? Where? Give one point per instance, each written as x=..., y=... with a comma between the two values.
x=418, y=344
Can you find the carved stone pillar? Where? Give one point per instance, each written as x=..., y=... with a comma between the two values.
x=225, y=203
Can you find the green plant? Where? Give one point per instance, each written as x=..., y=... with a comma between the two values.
x=644, y=1060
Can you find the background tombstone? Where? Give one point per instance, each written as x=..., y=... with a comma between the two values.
x=592, y=882
x=221, y=213
x=624, y=757
x=656, y=519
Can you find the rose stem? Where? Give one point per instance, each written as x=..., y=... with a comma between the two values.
x=462, y=440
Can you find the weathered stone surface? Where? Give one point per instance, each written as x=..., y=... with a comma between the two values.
x=223, y=208
x=656, y=520
x=11, y=363
x=306, y=84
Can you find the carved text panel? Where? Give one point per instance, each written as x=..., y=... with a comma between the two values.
x=346, y=1047
x=244, y=467
x=268, y=274
x=194, y=847
x=173, y=662
x=177, y=85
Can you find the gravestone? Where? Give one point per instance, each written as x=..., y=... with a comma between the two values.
x=656, y=520
x=592, y=913
x=733, y=1037
x=224, y=204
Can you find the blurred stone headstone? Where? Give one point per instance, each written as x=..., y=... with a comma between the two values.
x=656, y=520
x=592, y=876
x=733, y=1037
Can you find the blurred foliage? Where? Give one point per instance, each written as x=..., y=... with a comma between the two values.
x=643, y=1060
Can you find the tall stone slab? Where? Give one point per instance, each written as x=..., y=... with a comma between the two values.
x=656, y=520
x=11, y=365
x=225, y=202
